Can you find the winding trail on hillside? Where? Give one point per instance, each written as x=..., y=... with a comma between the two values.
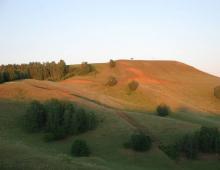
x=124, y=116
x=119, y=112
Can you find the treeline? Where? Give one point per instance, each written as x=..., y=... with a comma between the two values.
x=206, y=140
x=35, y=70
x=42, y=71
x=58, y=119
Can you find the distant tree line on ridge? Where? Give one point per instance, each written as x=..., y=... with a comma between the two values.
x=42, y=71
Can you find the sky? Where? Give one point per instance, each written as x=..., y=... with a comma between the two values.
x=99, y=30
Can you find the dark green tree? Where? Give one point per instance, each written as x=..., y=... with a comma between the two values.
x=190, y=146
x=80, y=148
x=163, y=110
x=70, y=123
x=2, y=80
x=35, y=117
x=82, y=120
x=55, y=111
x=209, y=140
x=139, y=142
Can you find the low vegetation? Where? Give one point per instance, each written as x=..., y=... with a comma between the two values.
x=80, y=148
x=112, y=63
x=206, y=140
x=58, y=119
x=163, y=110
x=217, y=92
x=84, y=69
x=112, y=81
x=139, y=142
x=133, y=85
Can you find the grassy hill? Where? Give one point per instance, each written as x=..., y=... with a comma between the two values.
x=188, y=91
x=180, y=86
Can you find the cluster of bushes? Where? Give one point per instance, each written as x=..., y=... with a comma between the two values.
x=139, y=142
x=58, y=119
x=83, y=69
x=217, y=92
x=163, y=110
x=206, y=140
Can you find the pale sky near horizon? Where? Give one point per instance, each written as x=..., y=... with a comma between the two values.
x=97, y=30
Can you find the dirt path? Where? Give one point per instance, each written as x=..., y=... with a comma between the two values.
x=124, y=116
x=120, y=113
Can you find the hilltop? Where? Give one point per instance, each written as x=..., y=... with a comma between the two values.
x=180, y=86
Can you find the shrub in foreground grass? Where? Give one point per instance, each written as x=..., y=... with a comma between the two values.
x=217, y=92
x=133, y=85
x=139, y=142
x=80, y=148
x=163, y=110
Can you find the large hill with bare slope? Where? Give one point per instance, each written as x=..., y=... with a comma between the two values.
x=178, y=85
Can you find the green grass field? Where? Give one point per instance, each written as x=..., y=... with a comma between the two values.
x=20, y=150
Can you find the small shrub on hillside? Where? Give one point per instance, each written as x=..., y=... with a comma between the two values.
x=163, y=110
x=112, y=81
x=112, y=63
x=139, y=142
x=80, y=148
x=133, y=85
x=35, y=117
x=217, y=92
